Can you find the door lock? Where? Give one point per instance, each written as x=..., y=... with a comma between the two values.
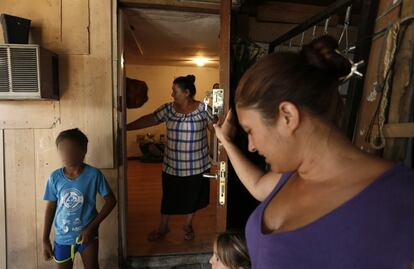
x=221, y=177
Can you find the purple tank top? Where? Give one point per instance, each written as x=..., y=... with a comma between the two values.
x=373, y=230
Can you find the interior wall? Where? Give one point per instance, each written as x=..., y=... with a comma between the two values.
x=159, y=80
x=368, y=106
x=80, y=32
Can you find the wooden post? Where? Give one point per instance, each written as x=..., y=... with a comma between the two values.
x=402, y=87
x=225, y=23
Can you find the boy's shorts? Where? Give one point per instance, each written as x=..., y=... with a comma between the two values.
x=64, y=253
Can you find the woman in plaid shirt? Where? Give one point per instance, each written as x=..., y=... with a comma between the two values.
x=186, y=155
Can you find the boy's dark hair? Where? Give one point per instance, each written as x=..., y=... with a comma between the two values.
x=74, y=135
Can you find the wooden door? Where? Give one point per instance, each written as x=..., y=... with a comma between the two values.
x=225, y=22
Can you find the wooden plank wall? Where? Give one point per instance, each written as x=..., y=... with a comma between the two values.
x=401, y=98
x=34, y=114
x=59, y=25
x=370, y=101
x=80, y=32
x=3, y=254
x=397, y=128
x=20, y=198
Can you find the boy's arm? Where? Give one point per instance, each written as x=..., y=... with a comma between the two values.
x=93, y=226
x=49, y=216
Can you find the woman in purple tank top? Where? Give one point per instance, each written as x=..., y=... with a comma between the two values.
x=325, y=204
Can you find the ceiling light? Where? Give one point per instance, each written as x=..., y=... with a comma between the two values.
x=200, y=61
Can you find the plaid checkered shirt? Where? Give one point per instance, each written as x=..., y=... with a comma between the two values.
x=186, y=152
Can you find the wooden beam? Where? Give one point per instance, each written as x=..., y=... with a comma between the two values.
x=265, y=32
x=314, y=20
x=399, y=130
x=210, y=7
x=289, y=12
x=3, y=243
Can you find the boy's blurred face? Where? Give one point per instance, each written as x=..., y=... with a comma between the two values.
x=70, y=153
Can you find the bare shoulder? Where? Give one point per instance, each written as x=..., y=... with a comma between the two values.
x=267, y=184
x=376, y=166
x=364, y=170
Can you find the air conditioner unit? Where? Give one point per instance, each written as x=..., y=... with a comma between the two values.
x=28, y=72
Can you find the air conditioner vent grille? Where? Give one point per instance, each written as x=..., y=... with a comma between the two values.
x=4, y=71
x=24, y=69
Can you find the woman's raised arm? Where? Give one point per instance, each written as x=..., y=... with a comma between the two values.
x=258, y=182
x=143, y=122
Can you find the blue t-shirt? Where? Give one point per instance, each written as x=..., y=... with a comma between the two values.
x=76, y=201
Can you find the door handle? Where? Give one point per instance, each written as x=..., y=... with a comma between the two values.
x=210, y=176
x=221, y=177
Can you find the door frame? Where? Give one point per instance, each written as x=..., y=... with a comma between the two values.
x=120, y=129
x=120, y=105
x=224, y=75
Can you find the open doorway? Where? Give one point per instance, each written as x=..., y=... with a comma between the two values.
x=159, y=46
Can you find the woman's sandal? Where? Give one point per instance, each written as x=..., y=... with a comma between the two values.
x=157, y=235
x=189, y=233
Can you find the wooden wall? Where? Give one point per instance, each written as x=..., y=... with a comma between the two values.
x=397, y=128
x=80, y=32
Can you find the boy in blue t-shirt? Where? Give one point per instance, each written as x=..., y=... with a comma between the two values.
x=71, y=204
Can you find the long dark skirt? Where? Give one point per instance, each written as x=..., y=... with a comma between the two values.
x=184, y=195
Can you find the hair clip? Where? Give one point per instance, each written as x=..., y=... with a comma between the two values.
x=354, y=68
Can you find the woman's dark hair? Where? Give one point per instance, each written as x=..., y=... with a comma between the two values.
x=186, y=83
x=232, y=250
x=74, y=135
x=309, y=79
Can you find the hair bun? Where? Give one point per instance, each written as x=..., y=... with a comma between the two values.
x=191, y=78
x=322, y=54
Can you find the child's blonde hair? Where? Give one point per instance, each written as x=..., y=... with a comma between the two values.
x=232, y=251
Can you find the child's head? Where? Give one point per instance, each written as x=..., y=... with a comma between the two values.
x=72, y=145
x=230, y=252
